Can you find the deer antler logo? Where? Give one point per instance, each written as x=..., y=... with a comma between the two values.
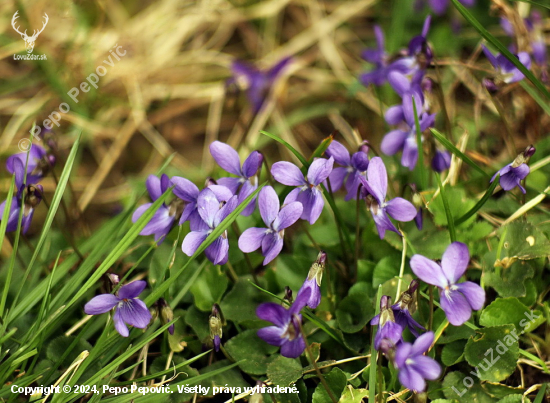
x=29, y=40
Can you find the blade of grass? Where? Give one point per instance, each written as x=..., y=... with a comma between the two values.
x=373, y=353
x=448, y=213
x=500, y=47
x=288, y=146
x=320, y=150
x=54, y=205
x=421, y=168
x=451, y=147
x=536, y=96
x=3, y=226
x=479, y=204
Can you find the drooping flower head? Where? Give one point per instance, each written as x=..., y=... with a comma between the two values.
x=38, y=165
x=313, y=280
x=441, y=160
x=259, y=81
x=352, y=166
x=32, y=198
x=405, y=138
x=389, y=333
x=403, y=310
x=270, y=239
x=287, y=330
x=309, y=191
x=164, y=218
x=212, y=213
x=506, y=71
x=166, y=314
x=415, y=367
x=457, y=299
x=376, y=186
x=247, y=181
x=130, y=310
x=215, y=324
x=512, y=174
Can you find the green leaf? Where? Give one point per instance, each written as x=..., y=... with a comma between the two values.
x=352, y=395
x=385, y=270
x=524, y=241
x=498, y=390
x=209, y=287
x=336, y=380
x=239, y=305
x=510, y=282
x=284, y=371
x=479, y=204
x=514, y=399
x=253, y=353
x=494, y=352
x=354, y=312
x=458, y=202
x=465, y=388
x=452, y=353
x=505, y=311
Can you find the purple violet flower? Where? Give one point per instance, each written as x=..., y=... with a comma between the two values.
x=313, y=280
x=38, y=165
x=212, y=213
x=376, y=186
x=309, y=191
x=389, y=333
x=441, y=160
x=380, y=59
x=457, y=299
x=129, y=309
x=259, y=82
x=512, y=174
x=414, y=367
x=352, y=167
x=402, y=115
x=507, y=72
x=164, y=218
x=287, y=330
x=189, y=193
x=270, y=239
x=440, y=6
x=228, y=159
x=403, y=310
x=33, y=197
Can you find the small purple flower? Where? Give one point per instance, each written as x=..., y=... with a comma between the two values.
x=414, y=367
x=507, y=72
x=403, y=310
x=129, y=309
x=308, y=192
x=287, y=330
x=512, y=174
x=33, y=197
x=389, y=333
x=247, y=181
x=313, y=281
x=376, y=186
x=380, y=59
x=441, y=160
x=164, y=218
x=259, y=82
x=352, y=167
x=189, y=193
x=440, y=6
x=419, y=52
x=270, y=239
x=212, y=213
x=38, y=165
x=404, y=138
x=457, y=300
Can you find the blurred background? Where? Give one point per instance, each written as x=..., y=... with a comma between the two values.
x=173, y=91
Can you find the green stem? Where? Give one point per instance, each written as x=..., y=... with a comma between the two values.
x=450, y=220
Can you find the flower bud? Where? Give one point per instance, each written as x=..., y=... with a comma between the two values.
x=166, y=314
x=288, y=295
x=215, y=323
